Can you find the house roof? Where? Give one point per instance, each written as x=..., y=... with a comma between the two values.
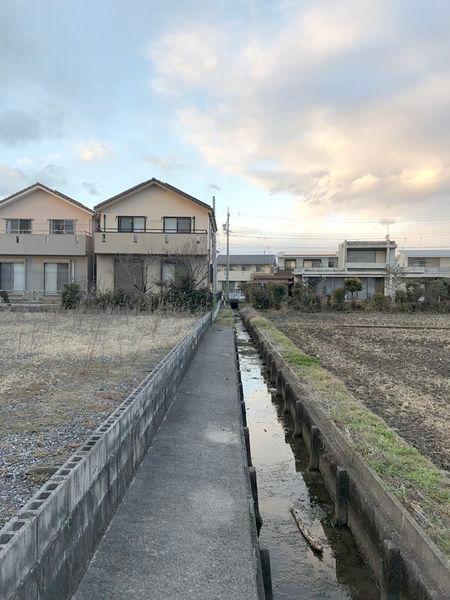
x=164, y=185
x=308, y=255
x=38, y=185
x=247, y=259
x=432, y=253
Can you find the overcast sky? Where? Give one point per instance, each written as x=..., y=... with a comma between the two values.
x=313, y=120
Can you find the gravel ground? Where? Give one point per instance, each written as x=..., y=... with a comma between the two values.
x=61, y=375
x=397, y=364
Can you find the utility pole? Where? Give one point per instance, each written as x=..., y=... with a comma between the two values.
x=214, y=252
x=226, y=228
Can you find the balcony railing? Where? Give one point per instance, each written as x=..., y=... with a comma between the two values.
x=45, y=243
x=152, y=241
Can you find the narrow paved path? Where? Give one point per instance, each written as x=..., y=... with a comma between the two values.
x=183, y=529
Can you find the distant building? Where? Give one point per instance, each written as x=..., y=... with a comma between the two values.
x=370, y=261
x=424, y=263
x=244, y=268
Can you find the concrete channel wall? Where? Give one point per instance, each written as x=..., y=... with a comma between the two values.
x=404, y=560
x=45, y=549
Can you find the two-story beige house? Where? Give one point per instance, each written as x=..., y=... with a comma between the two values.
x=45, y=242
x=149, y=232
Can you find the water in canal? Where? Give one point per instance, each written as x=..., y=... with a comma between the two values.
x=284, y=482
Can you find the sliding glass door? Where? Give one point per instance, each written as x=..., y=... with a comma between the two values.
x=55, y=276
x=12, y=277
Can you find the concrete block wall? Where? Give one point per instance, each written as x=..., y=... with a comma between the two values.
x=45, y=549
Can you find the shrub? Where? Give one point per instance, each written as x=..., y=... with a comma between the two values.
x=304, y=299
x=352, y=285
x=380, y=303
x=338, y=298
x=277, y=292
x=71, y=296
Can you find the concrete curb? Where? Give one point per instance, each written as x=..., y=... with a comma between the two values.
x=45, y=549
x=262, y=559
x=404, y=560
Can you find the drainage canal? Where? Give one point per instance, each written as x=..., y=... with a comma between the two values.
x=284, y=483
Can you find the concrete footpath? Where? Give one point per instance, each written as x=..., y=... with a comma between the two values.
x=184, y=527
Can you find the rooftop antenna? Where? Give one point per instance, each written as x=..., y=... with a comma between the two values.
x=386, y=223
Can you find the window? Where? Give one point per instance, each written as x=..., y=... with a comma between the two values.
x=12, y=277
x=62, y=226
x=55, y=276
x=417, y=262
x=131, y=224
x=168, y=273
x=247, y=267
x=177, y=224
x=18, y=225
x=332, y=262
x=312, y=262
x=361, y=256
x=290, y=264
x=260, y=269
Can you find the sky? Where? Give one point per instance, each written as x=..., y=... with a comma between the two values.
x=312, y=120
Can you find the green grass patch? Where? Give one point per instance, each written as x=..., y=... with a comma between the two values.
x=412, y=478
x=225, y=317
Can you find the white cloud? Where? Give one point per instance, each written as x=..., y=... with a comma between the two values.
x=92, y=150
x=166, y=163
x=324, y=102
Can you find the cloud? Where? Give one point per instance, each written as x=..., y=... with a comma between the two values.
x=213, y=187
x=11, y=180
x=91, y=188
x=18, y=127
x=167, y=163
x=328, y=108
x=92, y=150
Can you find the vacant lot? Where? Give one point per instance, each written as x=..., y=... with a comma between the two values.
x=61, y=374
x=397, y=365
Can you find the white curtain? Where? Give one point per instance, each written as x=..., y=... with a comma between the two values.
x=51, y=277
x=19, y=277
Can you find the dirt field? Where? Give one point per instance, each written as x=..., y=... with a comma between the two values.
x=61, y=374
x=399, y=369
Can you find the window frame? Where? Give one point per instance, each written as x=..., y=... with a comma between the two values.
x=178, y=230
x=133, y=229
x=57, y=291
x=290, y=260
x=13, y=289
x=20, y=230
x=64, y=230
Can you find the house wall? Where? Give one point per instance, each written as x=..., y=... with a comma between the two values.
x=154, y=203
x=328, y=284
x=80, y=266
x=238, y=274
x=40, y=205
x=152, y=270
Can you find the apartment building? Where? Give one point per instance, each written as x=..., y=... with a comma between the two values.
x=370, y=261
x=45, y=241
x=148, y=234
x=244, y=268
x=430, y=263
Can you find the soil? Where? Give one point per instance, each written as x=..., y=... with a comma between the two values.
x=61, y=375
x=397, y=364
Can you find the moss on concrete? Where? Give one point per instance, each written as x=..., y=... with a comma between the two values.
x=421, y=487
x=225, y=317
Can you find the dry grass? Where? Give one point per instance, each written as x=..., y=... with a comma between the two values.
x=61, y=374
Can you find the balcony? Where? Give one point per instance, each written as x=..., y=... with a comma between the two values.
x=151, y=242
x=427, y=271
x=45, y=244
